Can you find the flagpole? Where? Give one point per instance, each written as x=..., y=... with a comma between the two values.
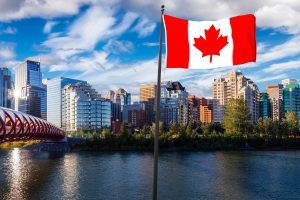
x=157, y=117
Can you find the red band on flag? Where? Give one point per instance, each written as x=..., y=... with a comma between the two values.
x=244, y=41
x=176, y=42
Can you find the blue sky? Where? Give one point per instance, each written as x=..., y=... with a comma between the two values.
x=113, y=43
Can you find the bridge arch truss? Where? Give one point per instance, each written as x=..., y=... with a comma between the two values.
x=18, y=126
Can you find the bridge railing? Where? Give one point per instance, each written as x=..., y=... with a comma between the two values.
x=18, y=126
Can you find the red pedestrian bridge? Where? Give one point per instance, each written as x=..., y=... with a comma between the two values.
x=18, y=126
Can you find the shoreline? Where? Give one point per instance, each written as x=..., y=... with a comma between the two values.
x=203, y=144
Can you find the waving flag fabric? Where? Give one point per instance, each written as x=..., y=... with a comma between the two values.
x=209, y=44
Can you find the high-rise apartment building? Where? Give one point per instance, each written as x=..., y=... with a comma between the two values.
x=205, y=114
x=275, y=92
x=134, y=114
x=265, y=105
x=236, y=85
x=147, y=92
x=194, y=109
x=84, y=110
x=147, y=96
x=168, y=111
x=291, y=99
x=176, y=91
x=122, y=97
x=110, y=95
x=30, y=90
x=54, y=98
x=218, y=110
x=6, y=88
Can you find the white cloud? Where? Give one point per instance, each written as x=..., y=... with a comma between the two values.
x=131, y=76
x=95, y=25
x=8, y=30
x=268, y=12
x=144, y=27
x=74, y=49
x=6, y=51
x=49, y=25
x=151, y=44
x=284, y=15
x=279, y=68
x=116, y=47
x=19, y=9
x=263, y=78
x=289, y=48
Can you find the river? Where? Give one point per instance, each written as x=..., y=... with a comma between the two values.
x=128, y=175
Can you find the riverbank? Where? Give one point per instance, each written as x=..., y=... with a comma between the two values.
x=121, y=143
x=19, y=144
x=217, y=143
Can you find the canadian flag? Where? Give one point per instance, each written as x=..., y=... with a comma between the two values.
x=209, y=44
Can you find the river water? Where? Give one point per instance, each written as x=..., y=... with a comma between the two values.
x=185, y=175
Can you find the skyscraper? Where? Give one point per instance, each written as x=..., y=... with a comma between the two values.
x=83, y=109
x=265, y=105
x=175, y=90
x=275, y=93
x=205, y=114
x=54, y=98
x=194, y=109
x=147, y=92
x=29, y=89
x=110, y=95
x=218, y=110
x=6, y=88
x=147, y=96
x=291, y=99
x=168, y=110
x=236, y=85
x=122, y=97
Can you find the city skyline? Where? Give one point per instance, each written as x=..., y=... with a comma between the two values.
x=124, y=44
x=105, y=93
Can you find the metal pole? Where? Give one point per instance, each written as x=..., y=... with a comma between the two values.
x=157, y=110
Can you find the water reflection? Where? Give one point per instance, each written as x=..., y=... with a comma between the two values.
x=15, y=176
x=195, y=175
x=70, y=177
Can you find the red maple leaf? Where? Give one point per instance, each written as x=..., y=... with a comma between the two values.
x=213, y=44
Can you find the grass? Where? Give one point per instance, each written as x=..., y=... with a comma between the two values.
x=19, y=144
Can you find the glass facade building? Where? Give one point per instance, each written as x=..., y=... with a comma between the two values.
x=6, y=88
x=169, y=110
x=291, y=99
x=83, y=110
x=30, y=90
x=265, y=105
x=174, y=90
x=54, y=98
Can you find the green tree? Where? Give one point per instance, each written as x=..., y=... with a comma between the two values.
x=237, y=119
x=105, y=133
x=161, y=129
x=189, y=130
x=207, y=129
x=291, y=121
x=264, y=126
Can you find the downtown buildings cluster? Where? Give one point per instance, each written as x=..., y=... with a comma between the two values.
x=75, y=106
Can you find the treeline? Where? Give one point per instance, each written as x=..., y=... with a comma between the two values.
x=235, y=132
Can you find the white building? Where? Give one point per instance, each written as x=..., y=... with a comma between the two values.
x=236, y=85
x=84, y=110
